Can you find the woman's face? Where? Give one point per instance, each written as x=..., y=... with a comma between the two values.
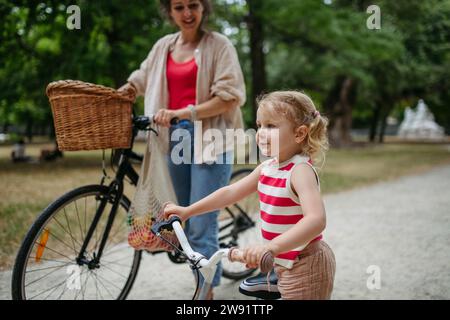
x=187, y=14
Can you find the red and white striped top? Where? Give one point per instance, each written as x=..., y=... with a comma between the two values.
x=280, y=208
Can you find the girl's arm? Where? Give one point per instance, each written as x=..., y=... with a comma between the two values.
x=218, y=199
x=304, y=183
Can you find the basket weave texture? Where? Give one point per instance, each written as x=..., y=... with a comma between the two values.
x=89, y=116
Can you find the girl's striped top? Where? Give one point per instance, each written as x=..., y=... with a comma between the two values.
x=280, y=208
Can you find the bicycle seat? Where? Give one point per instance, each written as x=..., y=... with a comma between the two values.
x=257, y=287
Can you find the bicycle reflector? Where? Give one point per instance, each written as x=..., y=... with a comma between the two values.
x=41, y=245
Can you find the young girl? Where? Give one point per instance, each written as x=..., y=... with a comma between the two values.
x=291, y=130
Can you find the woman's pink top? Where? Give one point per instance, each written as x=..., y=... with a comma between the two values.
x=182, y=83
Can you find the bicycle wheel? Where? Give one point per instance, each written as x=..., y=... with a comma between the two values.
x=239, y=225
x=46, y=266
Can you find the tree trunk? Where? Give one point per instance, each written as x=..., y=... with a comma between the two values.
x=374, y=122
x=386, y=110
x=257, y=58
x=338, y=107
x=383, y=128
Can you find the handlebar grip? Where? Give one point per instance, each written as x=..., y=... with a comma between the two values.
x=265, y=264
x=164, y=224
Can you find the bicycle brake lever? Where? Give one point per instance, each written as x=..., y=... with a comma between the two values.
x=153, y=130
x=164, y=225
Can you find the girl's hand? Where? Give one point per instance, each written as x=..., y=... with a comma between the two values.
x=172, y=209
x=253, y=254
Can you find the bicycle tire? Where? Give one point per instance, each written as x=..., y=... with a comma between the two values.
x=236, y=271
x=23, y=256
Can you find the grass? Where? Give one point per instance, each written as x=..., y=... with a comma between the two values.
x=26, y=189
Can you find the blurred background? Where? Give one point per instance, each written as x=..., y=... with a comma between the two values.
x=379, y=70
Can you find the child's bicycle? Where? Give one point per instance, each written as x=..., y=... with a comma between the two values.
x=198, y=262
x=77, y=248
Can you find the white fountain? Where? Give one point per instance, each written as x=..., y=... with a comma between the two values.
x=420, y=125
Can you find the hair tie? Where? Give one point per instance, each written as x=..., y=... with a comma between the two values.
x=316, y=114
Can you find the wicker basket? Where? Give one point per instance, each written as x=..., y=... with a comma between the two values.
x=89, y=116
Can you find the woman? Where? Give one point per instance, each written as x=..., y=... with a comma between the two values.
x=194, y=75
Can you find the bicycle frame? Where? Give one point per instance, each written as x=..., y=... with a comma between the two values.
x=207, y=267
x=114, y=195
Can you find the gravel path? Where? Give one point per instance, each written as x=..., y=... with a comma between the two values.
x=400, y=228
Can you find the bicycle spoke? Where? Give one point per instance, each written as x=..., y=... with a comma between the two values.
x=79, y=222
x=96, y=285
x=119, y=259
x=68, y=224
x=54, y=236
x=57, y=285
x=53, y=250
x=114, y=271
x=115, y=263
x=31, y=257
x=108, y=243
x=59, y=223
x=107, y=254
x=46, y=275
x=61, y=294
x=83, y=286
x=34, y=270
x=97, y=275
x=52, y=292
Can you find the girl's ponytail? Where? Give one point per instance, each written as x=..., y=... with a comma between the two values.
x=316, y=142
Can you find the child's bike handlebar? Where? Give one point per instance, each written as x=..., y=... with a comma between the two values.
x=233, y=254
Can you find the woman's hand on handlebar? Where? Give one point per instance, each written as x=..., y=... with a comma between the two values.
x=164, y=116
x=172, y=209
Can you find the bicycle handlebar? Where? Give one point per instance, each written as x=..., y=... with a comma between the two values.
x=142, y=122
x=165, y=224
x=234, y=254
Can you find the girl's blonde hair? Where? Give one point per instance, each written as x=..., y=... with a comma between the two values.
x=298, y=108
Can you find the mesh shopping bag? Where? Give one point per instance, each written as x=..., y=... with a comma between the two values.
x=154, y=189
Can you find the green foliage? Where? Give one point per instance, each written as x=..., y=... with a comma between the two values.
x=308, y=45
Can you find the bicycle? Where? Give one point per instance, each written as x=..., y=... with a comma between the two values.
x=77, y=248
x=199, y=263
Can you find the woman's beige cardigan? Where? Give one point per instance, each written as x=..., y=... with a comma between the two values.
x=219, y=74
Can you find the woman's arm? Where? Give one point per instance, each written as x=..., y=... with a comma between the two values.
x=218, y=199
x=210, y=108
